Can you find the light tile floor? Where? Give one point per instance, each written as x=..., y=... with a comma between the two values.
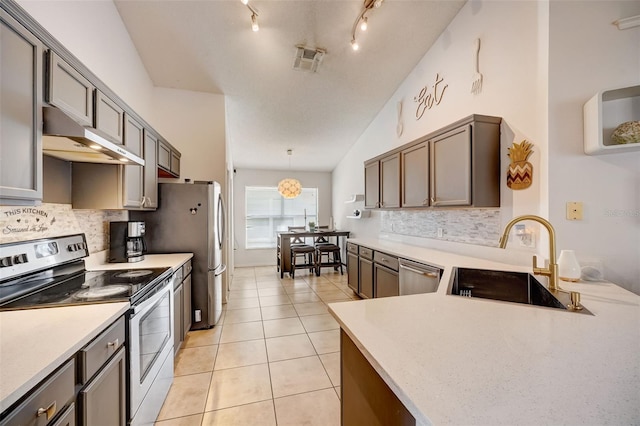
x=274, y=359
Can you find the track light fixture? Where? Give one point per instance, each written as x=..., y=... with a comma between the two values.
x=254, y=16
x=362, y=20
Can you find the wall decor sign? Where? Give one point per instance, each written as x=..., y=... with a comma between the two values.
x=520, y=173
x=27, y=220
x=430, y=96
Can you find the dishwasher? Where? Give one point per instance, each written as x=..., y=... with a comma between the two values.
x=418, y=278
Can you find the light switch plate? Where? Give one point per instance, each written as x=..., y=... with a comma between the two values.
x=574, y=210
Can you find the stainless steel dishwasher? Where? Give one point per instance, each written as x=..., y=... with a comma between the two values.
x=418, y=278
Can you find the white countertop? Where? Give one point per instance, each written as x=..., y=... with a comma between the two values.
x=34, y=342
x=456, y=360
x=98, y=261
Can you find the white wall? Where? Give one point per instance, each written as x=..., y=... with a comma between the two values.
x=541, y=62
x=514, y=88
x=250, y=177
x=589, y=54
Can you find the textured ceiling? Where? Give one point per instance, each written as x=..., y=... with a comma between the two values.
x=208, y=46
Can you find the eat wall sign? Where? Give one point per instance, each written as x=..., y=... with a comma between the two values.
x=429, y=96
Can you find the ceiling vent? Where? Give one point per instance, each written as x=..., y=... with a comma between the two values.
x=307, y=59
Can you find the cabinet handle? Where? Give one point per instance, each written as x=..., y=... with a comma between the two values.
x=114, y=344
x=49, y=411
x=383, y=259
x=433, y=200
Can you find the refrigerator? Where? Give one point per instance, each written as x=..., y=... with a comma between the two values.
x=191, y=218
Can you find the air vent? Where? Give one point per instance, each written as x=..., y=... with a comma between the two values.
x=307, y=59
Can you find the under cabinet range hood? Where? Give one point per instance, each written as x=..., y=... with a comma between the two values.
x=64, y=138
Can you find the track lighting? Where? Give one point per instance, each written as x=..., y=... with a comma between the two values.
x=254, y=16
x=362, y=20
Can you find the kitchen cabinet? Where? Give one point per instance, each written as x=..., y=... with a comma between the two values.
x=168, y=160
x=20, y=114
x=390, y=181
x=365, y=266
x=458, y=165
x=182, y=315
x=385, y=275
x=414, y=163
x=102, y=374
x=68, y=90
x=365, y=399
x=109, y=118
x=150, y=186
x=47, y=400
x=133, y=178
x=372, y=184
x=353, y=275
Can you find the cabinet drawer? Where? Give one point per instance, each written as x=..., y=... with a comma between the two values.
x=95, y=354
x=386, y=260
x=48, y=399
x=352, y=248
x=186, y=268
x=367, y=253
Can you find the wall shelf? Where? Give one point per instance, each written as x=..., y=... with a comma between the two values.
x=354, y=198
x=603, y=113
x=363, y=213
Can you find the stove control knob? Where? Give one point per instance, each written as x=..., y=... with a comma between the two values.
x=20, y=258
x=70, y=248
x=5, y=262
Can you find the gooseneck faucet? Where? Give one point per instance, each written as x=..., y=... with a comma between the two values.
x=552, y=270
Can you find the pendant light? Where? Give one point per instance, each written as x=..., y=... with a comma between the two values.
x=289, y=187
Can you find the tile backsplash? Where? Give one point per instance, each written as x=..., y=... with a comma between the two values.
x=472, y=226
x=51, y=220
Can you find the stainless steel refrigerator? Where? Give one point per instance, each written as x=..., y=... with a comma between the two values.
x=191, y=218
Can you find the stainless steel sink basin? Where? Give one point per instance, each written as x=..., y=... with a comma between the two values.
x=516, y=287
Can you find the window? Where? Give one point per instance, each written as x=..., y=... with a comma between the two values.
x=267, y=213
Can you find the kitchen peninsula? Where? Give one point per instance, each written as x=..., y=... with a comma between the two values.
x=458, y=360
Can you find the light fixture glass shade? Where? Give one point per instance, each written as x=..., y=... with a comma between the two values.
x=289, y=188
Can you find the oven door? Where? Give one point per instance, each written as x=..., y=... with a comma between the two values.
x=150, y=341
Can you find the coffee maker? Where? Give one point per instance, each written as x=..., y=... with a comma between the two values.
x=126, y=242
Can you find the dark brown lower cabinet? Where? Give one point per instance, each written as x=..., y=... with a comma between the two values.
x=366, y=278
x=365, y=398
x=353, y=276
x=103, y=400
x=386, y=282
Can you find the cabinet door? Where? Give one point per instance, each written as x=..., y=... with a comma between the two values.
x=175, y=164
x=415, y=175
x=390, y=181
x=177, y=318
x=109, y=118
x=366, y=278
x=372, y=185
x=386, y=282
x=451, y=168
x=133, y=175
x=102, y=401
x=186, y=306
x=150, y=171
x=164, y=156
x=20, y=114
x=68, y=90
x=352, y=272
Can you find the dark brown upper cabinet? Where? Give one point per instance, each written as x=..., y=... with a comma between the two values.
x=415, y=175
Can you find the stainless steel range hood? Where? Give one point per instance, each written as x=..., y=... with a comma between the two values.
x=64, y=138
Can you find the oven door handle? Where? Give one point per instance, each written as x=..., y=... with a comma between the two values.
x=149, y=301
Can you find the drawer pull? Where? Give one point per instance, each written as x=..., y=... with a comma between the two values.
x=384, y=259
x=49, y=411
x=114, y=344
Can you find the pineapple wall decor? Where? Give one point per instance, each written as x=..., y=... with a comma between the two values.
x=520, y=174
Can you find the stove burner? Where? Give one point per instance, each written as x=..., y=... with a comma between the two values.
x=95, y=293
x=137, y=273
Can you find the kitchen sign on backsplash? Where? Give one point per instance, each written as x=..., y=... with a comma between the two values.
x=52, y=220
x=429, y=96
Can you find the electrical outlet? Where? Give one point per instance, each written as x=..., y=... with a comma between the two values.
x=574, y=210
x=198, y=315
x=440, y=232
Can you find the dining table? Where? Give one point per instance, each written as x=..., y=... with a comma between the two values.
x=284, y=244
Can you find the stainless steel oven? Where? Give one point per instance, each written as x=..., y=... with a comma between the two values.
x=150, y=353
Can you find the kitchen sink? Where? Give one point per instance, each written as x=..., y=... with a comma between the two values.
x=516, y=287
